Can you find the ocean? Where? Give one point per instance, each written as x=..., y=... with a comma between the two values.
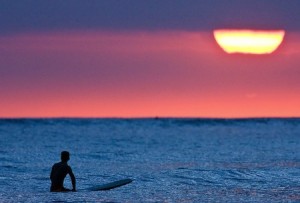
x=169, y=159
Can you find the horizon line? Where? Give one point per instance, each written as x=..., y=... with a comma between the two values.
x=151, y=117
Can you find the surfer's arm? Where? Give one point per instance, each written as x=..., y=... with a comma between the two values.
x=73, y=179
x=52, y=173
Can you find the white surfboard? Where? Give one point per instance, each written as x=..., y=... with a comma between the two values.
x=111, y=185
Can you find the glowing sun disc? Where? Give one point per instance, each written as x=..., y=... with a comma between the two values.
x=249, y=41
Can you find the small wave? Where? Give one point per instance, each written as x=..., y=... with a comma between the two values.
x=3, y=159
x=26, y=121
x=41, y=178
x=233, y=121
x=9, y=166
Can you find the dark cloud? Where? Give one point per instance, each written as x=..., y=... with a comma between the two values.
x=45, y=15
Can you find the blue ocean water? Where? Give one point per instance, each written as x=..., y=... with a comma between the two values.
x=170, y=160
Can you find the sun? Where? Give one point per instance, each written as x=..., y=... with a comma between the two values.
x=249, y=41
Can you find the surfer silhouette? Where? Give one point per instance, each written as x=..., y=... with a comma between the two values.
x=59, y=172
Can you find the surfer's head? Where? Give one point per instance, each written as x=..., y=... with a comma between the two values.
x=65, y=156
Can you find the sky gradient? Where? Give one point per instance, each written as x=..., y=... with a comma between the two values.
x=144, y=59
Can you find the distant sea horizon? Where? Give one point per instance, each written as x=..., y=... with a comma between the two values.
x=157, y=117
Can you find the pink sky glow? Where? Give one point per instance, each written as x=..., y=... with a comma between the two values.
x=144, y=74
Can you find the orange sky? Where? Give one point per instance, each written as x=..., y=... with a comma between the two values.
x=144, y=74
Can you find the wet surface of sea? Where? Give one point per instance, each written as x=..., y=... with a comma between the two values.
x=170, y=160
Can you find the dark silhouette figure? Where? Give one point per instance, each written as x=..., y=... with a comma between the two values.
x=59, y=172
